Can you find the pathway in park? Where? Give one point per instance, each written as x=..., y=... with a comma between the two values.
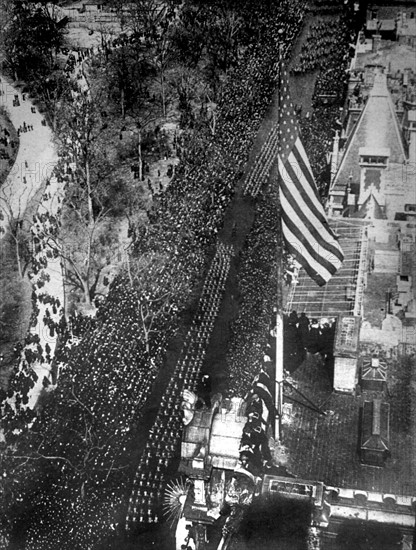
x=36, y=156
x=25, y=189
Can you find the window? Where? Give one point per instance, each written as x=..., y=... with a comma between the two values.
x=373, y=160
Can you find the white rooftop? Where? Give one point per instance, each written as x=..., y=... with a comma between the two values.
x=374, y=151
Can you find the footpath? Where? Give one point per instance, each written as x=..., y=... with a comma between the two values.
x=36, y=156
x=31, y=179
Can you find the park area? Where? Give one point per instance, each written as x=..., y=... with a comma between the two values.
x=169, y=269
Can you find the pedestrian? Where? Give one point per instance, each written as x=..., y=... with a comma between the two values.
x=314, y=337
x=293, y=351
x=303, y=327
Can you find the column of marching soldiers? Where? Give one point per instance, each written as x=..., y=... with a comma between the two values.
x=161, y=447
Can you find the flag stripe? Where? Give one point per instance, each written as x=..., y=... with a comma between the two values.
x=303, y=161
x=304, y=225
x=313, y=268
x=297, y=183
x=263, y=387
x=307, y=242
x=308, y=224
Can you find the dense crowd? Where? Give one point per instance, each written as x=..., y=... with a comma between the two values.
x=90, y=419
x=36, y=354
x=161, y=449
x=105, y=377
x=318, y=129
x=258, y=290
x=257, y=283
x=205, y=205
x=218, y=162
x=324, y=39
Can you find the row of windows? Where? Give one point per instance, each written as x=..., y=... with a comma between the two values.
x=373, y=160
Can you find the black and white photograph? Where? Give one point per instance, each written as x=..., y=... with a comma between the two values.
x=208, y=275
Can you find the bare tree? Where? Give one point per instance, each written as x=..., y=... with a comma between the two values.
x=86, y=248
x=14, y=202
x=79, y=127
x=53, y=90
x=158, y=289
x=89, y=439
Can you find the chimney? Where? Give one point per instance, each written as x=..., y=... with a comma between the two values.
x=376, y=42
x=334, y=158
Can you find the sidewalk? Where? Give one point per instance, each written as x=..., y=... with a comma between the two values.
x=36, y=156
x=34, y=165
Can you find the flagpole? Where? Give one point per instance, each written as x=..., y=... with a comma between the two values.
x=279, y=360
x=279, y=306
x=302, y=221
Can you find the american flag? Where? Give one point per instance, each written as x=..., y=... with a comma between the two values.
x=304, y=225
x=262, y=386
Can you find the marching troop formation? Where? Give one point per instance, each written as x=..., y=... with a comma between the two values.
x=324, y=39
x=162, y=445
x=108, y=368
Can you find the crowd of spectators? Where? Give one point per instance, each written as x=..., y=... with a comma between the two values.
x=37, y=352
x=161, y=449
x=197, y=197
x=257, y=283
x=106, y=374
x=258, y=290
x=112, y=368
x=252, y=338
x=318, y=129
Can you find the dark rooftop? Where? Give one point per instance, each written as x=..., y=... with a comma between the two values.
x=325, y=447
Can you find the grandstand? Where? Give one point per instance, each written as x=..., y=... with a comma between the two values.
x=343, y=294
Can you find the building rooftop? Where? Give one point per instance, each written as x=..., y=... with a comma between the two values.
x=391, y=54
x=373, y=159
x=407, y=28
x=370, y=209
x=323, y=428
x=381, y=25
x=377, y=127
x=325, y=447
